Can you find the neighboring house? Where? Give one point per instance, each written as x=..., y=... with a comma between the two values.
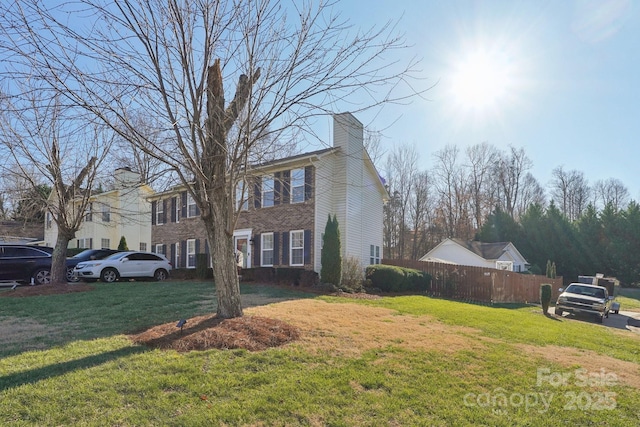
x=501, y=255
x=123, y=211
x=284, y=213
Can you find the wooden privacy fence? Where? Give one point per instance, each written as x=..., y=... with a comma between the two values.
x=480, y=284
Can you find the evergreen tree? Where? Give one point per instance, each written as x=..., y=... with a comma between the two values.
x=331, y=258
x=122, y=246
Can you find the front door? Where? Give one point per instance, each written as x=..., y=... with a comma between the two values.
x=241, y=243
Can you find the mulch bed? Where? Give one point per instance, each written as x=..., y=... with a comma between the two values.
x=30, y=291
x=253, y=333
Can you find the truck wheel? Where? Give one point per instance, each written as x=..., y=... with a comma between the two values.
x=558, y=312
x=600, y=319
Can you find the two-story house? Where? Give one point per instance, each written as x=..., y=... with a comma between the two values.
x=123, y=211
x=284, y=213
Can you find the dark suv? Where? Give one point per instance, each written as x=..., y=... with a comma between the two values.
x=86, y=255
x=25, y=264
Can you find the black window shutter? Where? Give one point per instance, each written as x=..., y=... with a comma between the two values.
x=197, y=246
x=173, y=255
x=276, y=248
x=164, y=250
x=184, y=204
x=307, y=182
x=257, y=194
x=183, y=254
x=197, y=210
x=276, y=188
x=153, y=212
x=257, y=248
x=164, y=211
x=91, y=243
x=173, y=209
x=307, y=246
x=286, y=186
x=285, y=248
x=206, y=246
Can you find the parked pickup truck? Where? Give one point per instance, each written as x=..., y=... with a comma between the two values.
x=580, y=298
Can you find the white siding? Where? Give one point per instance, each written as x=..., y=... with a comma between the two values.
x=347, y=186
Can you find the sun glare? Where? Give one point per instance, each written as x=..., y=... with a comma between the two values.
x=481, y=80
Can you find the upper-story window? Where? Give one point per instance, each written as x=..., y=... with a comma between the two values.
x=268, y=192
x=49, y=219
x=191, y=207
x=242, y=196
x=297, y=185
x=106, y=213
x=160, y=212
x=88, y=215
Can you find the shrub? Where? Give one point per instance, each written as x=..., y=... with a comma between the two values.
x=545, y=296
x=352, y=275
x=122, y=246
x=330, y=256
x=202, y=267
x=389, y=278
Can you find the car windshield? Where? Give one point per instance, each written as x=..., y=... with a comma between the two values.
x=84, y=254
x=118, y=255
x=586, y=290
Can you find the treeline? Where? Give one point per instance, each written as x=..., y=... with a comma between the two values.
x=490, y=195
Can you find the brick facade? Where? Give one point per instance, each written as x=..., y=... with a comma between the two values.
x=172, y=225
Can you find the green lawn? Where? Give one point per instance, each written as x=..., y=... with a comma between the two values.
x=629, y=299
x=81, y=369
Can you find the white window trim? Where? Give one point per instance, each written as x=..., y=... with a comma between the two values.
x=158, y=248
x=102, y=243
x=291, y=248
x=143, y=246
x=178, y=208
x=292, y=187
x=189, y=243
x=266, y=178
x=262, y=249
x=160, y=212
x=191, y=202
x=106, y=213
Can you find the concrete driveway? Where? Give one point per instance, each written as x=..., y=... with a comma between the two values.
x=626, y=320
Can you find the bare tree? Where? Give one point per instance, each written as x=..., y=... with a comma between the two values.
x=46, y=144
x=451, y=184
x=570, y=192
x=421, y=214
x=218, y=75
x=480, y=161
x=510, y=171
x=531, y=193
x=611, y=192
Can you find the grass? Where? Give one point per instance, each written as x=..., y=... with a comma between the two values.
x=629, y=299
x=88, y=373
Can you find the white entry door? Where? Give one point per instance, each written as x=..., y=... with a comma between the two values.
x=241, y=241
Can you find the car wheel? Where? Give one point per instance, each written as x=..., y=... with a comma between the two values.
x=71, y=277
x=600, y=319
x=42, y=277
x=109, y=275
x=160, y=275
x=558, y=312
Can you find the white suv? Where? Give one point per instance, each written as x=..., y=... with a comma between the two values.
x=125, y=265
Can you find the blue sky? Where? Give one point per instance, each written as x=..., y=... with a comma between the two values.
x=561, y=79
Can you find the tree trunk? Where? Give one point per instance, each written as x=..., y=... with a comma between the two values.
x=59, y=259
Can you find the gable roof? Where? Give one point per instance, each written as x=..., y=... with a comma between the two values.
x=488, y=251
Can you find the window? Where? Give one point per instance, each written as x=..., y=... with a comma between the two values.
x=242, y=198
x=177, y=200
x=268, y=192
x=191, y=207
x=49, y=219
x=84, y=243
x=160, y=212
x=105, y=244
x=191, y=253
x=106, y=213
x=266, y=250
x=297, y=186
x=88, y=212
x=374, y=254
x=143, y=246
x=297, y=248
